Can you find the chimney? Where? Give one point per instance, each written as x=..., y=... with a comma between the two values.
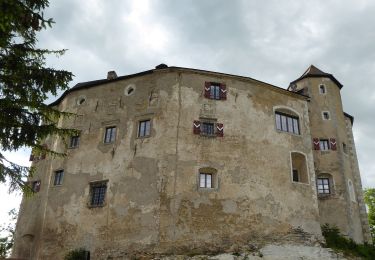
x=111, y=75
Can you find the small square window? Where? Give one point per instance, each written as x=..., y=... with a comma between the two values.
x=59, y=175
x=208, y=128
x=322, y=89
x=74, y=141
x=324, y=145
x=323, y=186
x=97, y=193
x=326, y=115
x=205, y=180
x=144, y=128
x=35, y=186
x=110, y=134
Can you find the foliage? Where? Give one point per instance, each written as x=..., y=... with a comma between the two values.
x=370, y=202
x=7, y=231
x=77, y=254
x=25, y=83
x=337, y=241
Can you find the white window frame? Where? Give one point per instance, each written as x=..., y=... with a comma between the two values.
x=112, y=137
x=328, y=113
x=321, y=145
x=144, y=128
x=325, y=89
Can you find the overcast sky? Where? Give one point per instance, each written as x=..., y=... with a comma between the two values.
x=272, y=41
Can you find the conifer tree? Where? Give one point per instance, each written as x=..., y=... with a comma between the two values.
x=25, y=83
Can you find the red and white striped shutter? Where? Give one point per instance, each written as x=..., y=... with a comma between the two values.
x=196, y=127
x=219, y=129
x=223, y=92
x=332, y=144
x=316, y=143
x=207, y=89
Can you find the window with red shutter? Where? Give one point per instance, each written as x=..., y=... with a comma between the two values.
x=220, y=129
x=223, y=92
x=196, y=127
x=316, y=143
x=207, y=88
x=333, y=145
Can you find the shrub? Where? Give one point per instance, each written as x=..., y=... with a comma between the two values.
x=78, y=254
x=335, y=240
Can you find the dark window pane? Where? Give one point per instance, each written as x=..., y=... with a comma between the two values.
x=295, y=176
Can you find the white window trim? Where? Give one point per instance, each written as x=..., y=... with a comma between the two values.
x=291, y=168
x=325, y=89
x=329, y=115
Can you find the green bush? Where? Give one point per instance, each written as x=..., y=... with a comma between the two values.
x=77, y=254
x=335, y=240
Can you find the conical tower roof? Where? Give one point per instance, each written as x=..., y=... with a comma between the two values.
x=314, y=72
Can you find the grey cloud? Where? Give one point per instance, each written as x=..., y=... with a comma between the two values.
x=273, y=41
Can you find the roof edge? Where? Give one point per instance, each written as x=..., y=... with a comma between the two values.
x=350, y=117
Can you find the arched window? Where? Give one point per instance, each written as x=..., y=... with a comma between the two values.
x=299, y=168
x=351, y=191
x=287, y=120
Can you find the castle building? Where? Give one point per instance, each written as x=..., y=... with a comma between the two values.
x=175, y=159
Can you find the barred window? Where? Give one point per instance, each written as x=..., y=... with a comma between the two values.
x=323, y=186
x=98, y=191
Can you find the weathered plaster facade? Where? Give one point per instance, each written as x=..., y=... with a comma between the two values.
x=153, y=201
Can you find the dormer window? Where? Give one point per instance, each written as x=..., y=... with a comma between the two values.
x=322, y=89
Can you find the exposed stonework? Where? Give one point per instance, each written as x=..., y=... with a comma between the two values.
x=196, y=162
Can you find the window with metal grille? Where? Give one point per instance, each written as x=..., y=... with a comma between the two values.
x=287, y=123
x=59, y=175
x=324, y=144
x=205, y=180
x=215, y=91
x=74, y=141
x=208, y=128
x=144, y=128
x=98, y=191
x=323, y=186
x=110, y=134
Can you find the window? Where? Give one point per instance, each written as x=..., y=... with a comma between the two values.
x=214, y=91
x=59, y=175
x=299, y=168
x=110, y=134
x=208, y=128
x=345, y=148
x=74, y=141
x=144, y=128
x=98, y=191
x=322, y=89
x=295, y=176
x=323, y=144
x=323, y=185
x=205, y=180
x=325, y=115
x=287, y=123
x=217, y=91
x=35, y=186
x=351, y=191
